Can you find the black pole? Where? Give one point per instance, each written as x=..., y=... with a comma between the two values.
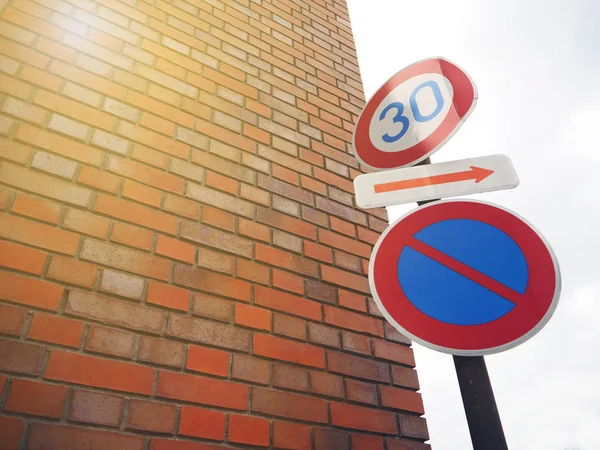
x=477, y=395
x=479, y=402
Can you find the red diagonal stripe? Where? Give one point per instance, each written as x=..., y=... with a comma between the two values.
x=466, y=271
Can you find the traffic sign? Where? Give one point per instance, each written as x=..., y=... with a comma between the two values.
x=434, y=181
x=413, y=114
x=464, y=277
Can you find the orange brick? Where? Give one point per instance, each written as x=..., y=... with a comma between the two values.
x=57, y=330
x=249, y=430
x=59, y=144
x=197, y=109
x=226, y=136
x=258, y=108
x=257, y=134
x=200, y=423
x=250, y=316
x=72, y=271
x=105, y=40
x=32, y=23
x=150, y=156
x=37, y=208
x=343, y=243
x=155, y=140
x=17, y=89
x=254, y=230
x=99, y=179
x=87, y=79
x=345, y=279
x=12, y=150
x=221, y=182
x=132, y=235
x=218, y=218
x=30, y=291
x=252, y=271
x=208, y=360
x=174, y=248
x=160, y=109
x=351, y=300
x=22, y=258
x=313, y=185
x=317, y=251
x=287, y=350
x=168, y=296
x=38, y=235
x=231, y=83
x=23, y=54
x=284, y=174
x=288, y=281
x=132, y=212
x=55, y=49
x=142, y=193
x=75, y=110
x=158, y=124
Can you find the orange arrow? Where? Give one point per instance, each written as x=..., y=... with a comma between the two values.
x=476, y=173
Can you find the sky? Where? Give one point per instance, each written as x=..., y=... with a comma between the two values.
x=536, y=65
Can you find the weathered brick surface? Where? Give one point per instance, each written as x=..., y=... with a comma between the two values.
x=181, y=260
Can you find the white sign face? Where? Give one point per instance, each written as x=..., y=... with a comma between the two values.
x=434, y=181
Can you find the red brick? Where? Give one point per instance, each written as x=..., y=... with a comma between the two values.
x=201, y=423
x=135, y=213
x=413, y=426
x=208, y=360
x=288, y=303
x=392, y=334
x=37, y=208
x=11, y=430
x=208, y=332
x=208, y=391
x=289, y=326
x=174, y=248
x=323, y=383
x=170, y=444
x=394, y=352
x=397, y=398
x=211, y=282
x=39, y=399
x=250, y=316
x=288, y=281
x=254, y=230
x=356, y=343
x=55, y=329
x=366, y=442
x=291, y=436
x=286, y=350
x=72, y=271
x=213, y=307
x=12, y=320
x=404, y=444
x=357, y=417
x=405, y=376
x=328, y=439
x=168, y=295
x=97, y=408
x=30, y=291
x=290, y=377
x=324, y=335
x=151, y=416
x=249, y=430
x=110, y=341
x=318, y=251
x=353, y=321
x=251, y=369
x=91, y=371
x=44, y=436
x=284, y=222
x=351, y=300
x=20, y=357
x=114, y=312
x=38, y=235
x=131, y=235
x=361, y=392
x=358, y=367
x=284, y=404
x=161, y=351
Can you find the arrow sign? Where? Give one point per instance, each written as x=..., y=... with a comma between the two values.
x=419, y=183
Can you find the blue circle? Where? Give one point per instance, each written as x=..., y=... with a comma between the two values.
x=450, y=297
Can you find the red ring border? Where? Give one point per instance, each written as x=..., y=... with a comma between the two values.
x=521, y=323
x=465, y=96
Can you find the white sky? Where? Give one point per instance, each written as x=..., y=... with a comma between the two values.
x=537, y=68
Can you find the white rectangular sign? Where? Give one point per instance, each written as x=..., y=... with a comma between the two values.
x=431, y=181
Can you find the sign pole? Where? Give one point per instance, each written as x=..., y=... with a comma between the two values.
x=485, y=426
x=478, y=399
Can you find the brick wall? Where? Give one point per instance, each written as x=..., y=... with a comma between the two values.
x=183, y=266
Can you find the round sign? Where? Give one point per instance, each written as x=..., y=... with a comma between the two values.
x=464, y=277
x=413, y=114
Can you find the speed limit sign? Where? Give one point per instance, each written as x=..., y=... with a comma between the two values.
x=413, y=114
